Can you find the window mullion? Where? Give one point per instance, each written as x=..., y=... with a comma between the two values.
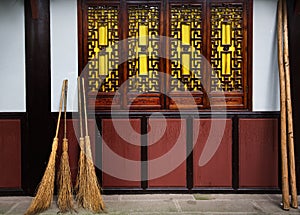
x=123, y=29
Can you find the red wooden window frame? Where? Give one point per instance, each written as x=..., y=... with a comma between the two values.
x=235, y=101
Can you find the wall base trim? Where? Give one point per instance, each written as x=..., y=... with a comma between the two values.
x=11, y=192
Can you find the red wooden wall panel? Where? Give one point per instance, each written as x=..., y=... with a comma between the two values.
x=125, y=141
x=258, y=152
x=10, y=153
x=217, y=172
x=167, y=153
x=73, y=134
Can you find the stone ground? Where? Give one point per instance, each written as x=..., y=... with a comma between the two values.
x=169, y=204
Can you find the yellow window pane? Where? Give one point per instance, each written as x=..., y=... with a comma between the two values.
x=143, y=35
x=186, y=33
x=185, y=65
x=143, y=64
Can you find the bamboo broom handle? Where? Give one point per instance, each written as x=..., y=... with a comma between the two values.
x=84, y=107
x=80, y=106
x=60, y=107
x=289, y=109
x=284, y=164
x=65, y=110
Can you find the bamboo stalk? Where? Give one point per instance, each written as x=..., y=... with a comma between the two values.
x=290, y=136
x=284, y=163
x=44, y=196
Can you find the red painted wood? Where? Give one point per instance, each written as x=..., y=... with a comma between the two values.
x=218, y=171
x=167, y=146
x=73, y=135
x=125, y=142
x=258, y=152
x=10, y=153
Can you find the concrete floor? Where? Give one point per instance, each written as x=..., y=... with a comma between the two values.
x=169, y=204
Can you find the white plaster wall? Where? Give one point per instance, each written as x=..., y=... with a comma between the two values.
x=64, y=51
x=265, y=62
x=12, y=56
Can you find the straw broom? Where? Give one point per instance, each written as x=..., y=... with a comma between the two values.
x=284, y=163
x=81, y=176
x=65, y=195
x=93, y=199
x=291, y=152
x=44, y=196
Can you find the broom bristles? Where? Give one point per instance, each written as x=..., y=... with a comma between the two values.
x=65, y=193
x=81, y=176
x=93, y=199
x=44, y=196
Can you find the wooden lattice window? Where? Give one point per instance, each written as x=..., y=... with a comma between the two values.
x=174, y=48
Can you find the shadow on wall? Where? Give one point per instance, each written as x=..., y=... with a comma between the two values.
x=273, y=78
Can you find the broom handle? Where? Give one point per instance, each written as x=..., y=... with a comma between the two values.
x=60, y=107
x=289, y=109
x=84, y=107
x=65, y=110
x=284, y=164
x=80, y=106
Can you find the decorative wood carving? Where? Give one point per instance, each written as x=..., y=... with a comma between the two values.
x=207, y=59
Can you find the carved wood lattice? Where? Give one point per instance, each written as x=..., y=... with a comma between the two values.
x=103, y=53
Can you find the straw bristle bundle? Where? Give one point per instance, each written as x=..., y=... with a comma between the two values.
x=44, y=196
x=81, y=177
x=93, y=199
x=65, y=194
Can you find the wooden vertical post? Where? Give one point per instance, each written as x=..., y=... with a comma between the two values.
x=38, y=95
x=284, y=163
x=289, y=110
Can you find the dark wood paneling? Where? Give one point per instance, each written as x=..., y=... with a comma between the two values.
x=217, y=172
x=258, y=152
x=10, y=153
x=167, y=147
x=121, y=141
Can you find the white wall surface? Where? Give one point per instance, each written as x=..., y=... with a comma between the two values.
x=64, y=52
x=265, y=62
x=12, y=56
